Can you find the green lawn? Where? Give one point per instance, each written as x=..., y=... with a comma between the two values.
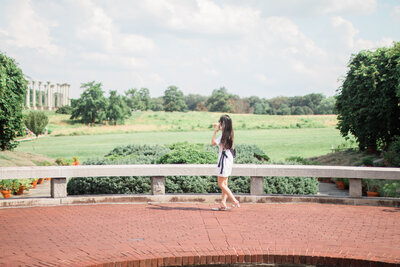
x=277, y=143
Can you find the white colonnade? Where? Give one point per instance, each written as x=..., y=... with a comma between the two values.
x=47, y=95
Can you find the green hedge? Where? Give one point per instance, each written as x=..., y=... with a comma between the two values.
x=184, y=153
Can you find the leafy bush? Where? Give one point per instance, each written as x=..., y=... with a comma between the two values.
x=64, y=110
x=392, y=157
x=185, y=153
x=179, y=153
x=36, y=121
x=290, y=185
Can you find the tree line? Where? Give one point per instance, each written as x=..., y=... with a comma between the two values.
x=93, y=106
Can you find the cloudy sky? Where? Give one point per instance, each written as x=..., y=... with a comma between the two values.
x=254, y=47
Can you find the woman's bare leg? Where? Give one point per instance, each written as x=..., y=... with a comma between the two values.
x=223, y=184
x=224, y=195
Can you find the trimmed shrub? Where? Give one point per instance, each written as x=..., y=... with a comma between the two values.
x=183, y=153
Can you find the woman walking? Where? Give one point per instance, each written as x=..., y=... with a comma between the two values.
x=225, y=159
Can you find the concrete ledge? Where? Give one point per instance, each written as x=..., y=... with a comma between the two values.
x=198, y=169
x=202, y=198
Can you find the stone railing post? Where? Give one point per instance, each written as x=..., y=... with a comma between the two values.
x=58, y=187
x=355, y=187
x=158, y=185
x=256, y=185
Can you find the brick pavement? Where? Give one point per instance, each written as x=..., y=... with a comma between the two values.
x=144, y=235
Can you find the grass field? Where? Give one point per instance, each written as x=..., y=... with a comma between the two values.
x=279, y=136
x=61, y=125
x=277, y=143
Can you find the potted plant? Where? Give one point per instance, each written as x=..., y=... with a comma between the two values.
x=339, y=183
x=6, y=186
x=34, y=182
x=76, y=161
x=24, y=184
x=372, y=188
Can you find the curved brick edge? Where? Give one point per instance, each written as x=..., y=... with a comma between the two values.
x=219, y=259
x=199, y=198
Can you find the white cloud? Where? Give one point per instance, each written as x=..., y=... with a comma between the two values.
x=396, y=13
x=99, y=30
x=262, y=78
x=332, y=7
x=27, y=29
x=211, y=72
x=346, y=31
x=347, y=34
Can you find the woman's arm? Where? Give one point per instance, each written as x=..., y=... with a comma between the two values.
x=213, y=137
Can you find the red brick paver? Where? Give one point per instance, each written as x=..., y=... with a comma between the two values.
x=155, y=235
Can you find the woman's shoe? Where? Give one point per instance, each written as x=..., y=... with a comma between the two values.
x=236, y=205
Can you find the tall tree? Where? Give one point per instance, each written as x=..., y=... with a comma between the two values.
x=138, y=99
x=219, y=101
x=174, y=100
x=13, y=88
x=368, y=101
x=117, y=109
x=91, y=106
x=192, y=100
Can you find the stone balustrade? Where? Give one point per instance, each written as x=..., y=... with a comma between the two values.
x=47, y=96
x=59, y=174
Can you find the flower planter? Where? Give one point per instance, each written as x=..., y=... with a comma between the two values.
x=21, y=190
x=6, y=193
x=372, y=194
x=340, y=185
x=40, y=181
x=47, y=179
x=34, y=183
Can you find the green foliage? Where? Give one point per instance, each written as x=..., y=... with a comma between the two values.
x=13, y=88
x=174, y=100
x=138, y=99
x=91, y=106
x=368, y=161
x=290, y=185
x=219, y=101
x=390, y=189
x=182, y=153
x=64, y=110
x=392, y=156
x=36, y=121
x=302, y=161
x=368, y=102
x=193, y=100
x=117, y=109
x=6, y=184
x=185, y=153
x=157, y=104
x=326, y=106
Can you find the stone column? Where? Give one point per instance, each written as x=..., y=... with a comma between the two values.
x=48, y=96
x=51, y=106
x=69, y=95
x=34, y=95
x=40, y=96
x=63, y=94
x=58, y=96
x=28, y=95
x=45, y=93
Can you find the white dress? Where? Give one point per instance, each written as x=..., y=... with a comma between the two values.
x=224, y=165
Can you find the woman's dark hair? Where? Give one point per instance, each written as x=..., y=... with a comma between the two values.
x=227, y=132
